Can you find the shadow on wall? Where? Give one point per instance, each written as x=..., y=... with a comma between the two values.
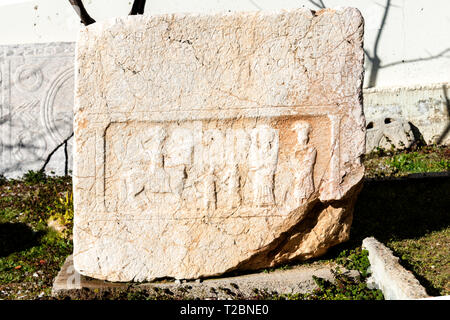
x=376, y=65
x=374, y=58
x=36, y=115
x=27, y=148
x=447, y=105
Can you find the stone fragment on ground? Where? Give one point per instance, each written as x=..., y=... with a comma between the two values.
x=206, y=144
x=388, y=132
x=389, y=276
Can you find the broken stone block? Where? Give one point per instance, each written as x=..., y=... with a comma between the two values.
x=211, y=143
x=389, y=276
x=385, y=132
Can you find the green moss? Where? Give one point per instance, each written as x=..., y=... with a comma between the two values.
x=416, y=163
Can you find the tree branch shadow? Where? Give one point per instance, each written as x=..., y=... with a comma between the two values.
x=374, y=58
x=318, y=4
x=22, y=156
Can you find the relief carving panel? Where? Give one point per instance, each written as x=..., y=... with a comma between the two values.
x=204, y=169
x=36, y=107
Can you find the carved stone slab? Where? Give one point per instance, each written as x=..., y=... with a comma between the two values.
x=36, y=108
x=208, y=143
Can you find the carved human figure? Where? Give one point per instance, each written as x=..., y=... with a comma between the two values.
x=178, y=157
x=213, y=161
x=230, y=196
x=263, y=157
x=231, y=182
x=209, y=200
x=135, y=182
x=305, y=158
x=152, y=144
x=143, y=173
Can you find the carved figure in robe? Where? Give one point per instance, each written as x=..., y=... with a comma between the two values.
x=213, y=161
x=232, y=185
x=158, y=179
x=178, y=158
x=303, y=162
x=263, y=157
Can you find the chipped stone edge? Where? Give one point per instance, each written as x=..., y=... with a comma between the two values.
x=389, y=276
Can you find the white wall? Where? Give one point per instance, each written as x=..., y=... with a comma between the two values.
x=416, y=31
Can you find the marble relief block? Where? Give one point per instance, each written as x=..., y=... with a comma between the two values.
x=210, y=143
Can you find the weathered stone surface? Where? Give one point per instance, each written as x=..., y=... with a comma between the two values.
x=36, y=108
x=209, y=143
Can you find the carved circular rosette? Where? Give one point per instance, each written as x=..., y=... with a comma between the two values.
x=28, y=78
x=57, y=107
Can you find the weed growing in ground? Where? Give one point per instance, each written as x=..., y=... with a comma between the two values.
x=34, y=177
x=356, y=259
x=62, y=213
x=343, y=288
x=394, y=163
x=417, y=163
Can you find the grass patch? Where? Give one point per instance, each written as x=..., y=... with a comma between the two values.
x=428, y=257
x=31, y=253
x=390, y=163
x=356, y=259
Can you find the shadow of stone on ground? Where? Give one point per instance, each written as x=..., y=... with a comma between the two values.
x=16, y=237
x=402, y=208
x=396, y=209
